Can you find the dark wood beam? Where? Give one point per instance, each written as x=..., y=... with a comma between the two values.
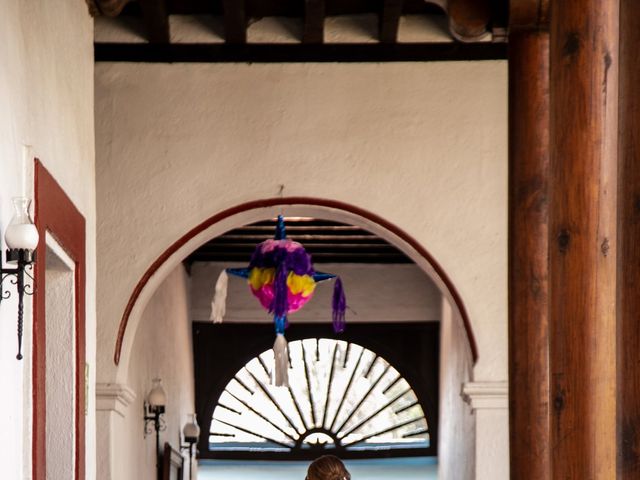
x=284, y=53
x=156, y=19
x=469, y=19
x=235, y=21
x=529, y=439
x=390, y=20
x=529, y=14
x=314, y=11
x=629, y=241
x=110, y=8
x=584, y=42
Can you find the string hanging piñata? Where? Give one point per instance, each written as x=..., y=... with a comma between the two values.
x=281, y=276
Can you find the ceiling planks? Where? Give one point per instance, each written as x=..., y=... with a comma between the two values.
x=325, y=241
x=476, y=24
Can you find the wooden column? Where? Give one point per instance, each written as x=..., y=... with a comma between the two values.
x=629, y=241
x=583, y=237
x=528, y=253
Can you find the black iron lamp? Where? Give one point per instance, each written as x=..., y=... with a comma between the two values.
x=21, y=238
x=191, y=433
x=154, y=407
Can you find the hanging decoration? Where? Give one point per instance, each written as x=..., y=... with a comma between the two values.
x=281, y=276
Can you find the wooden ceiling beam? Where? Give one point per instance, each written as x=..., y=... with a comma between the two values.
x=528, y=15
x=469, y=19
x=390, y=20
x=235, y=21
x=314, y=11
x=156, y=20
x=110, y=8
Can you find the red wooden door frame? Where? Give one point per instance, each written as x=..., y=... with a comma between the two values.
x=56, y=214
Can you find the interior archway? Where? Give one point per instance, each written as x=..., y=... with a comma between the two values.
x=264, y=209
x=135, y=367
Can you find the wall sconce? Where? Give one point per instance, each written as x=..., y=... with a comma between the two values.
x=191, y=434
x=154, y=407
x=22, y=238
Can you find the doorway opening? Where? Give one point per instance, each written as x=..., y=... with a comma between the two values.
x=392, y=265
x=370, y=393
x=60, y=362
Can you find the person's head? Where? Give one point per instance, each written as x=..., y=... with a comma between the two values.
x=327, y=467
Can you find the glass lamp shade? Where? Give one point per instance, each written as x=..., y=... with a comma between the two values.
x=157, y=397
x=191, y=430
x=21, y=233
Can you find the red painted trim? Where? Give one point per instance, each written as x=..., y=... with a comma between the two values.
x=270, y=202
x=56, y=214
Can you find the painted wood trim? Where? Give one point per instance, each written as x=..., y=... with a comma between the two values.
x=56, y=214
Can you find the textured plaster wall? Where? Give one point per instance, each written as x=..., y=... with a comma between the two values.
x=420, y=144
x=46, y=99
x=375, y=293
x=162, y=348
x=457, y=422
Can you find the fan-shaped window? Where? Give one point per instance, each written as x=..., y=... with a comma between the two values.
x=342, y=397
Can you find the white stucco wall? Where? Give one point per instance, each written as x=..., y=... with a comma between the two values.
x=163, y=349
x=46, y=94
x=375, y=293
x=457, y=433
x=422, y=145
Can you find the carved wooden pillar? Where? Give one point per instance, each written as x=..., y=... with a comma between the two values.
x=629, y=242
x=583, y=238
x=528, y=253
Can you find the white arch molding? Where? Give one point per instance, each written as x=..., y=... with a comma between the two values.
x=261, y=210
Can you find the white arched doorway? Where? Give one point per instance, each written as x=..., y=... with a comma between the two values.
x=453, y=311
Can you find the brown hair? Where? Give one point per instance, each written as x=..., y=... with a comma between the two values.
x=327, y=467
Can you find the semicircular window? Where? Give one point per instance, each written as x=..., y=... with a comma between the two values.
x=342, y=398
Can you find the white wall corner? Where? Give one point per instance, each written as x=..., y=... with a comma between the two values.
x=486, y=395
x=114, y=397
